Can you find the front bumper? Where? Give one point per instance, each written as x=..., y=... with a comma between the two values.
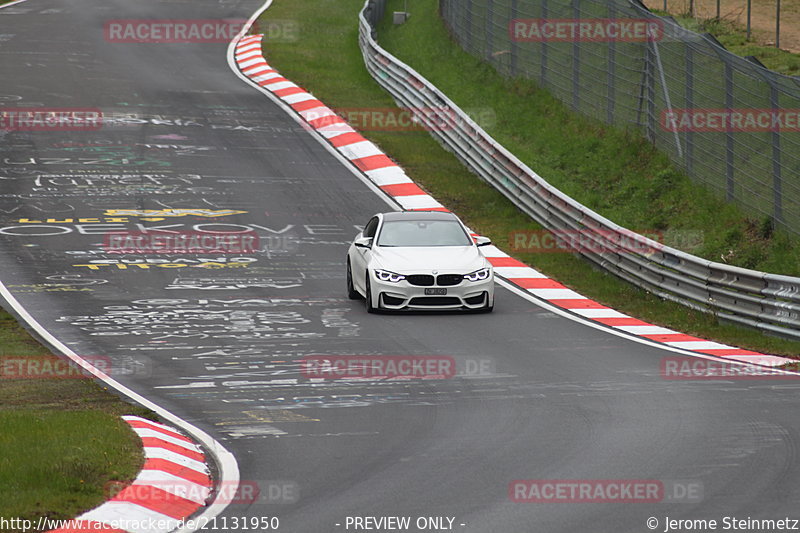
x=404, y=295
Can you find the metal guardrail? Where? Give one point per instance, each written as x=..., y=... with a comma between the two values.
x=768, y=302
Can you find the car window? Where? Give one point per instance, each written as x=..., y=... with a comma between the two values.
x=369, y=229
x=423, y=233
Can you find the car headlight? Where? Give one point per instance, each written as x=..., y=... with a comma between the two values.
x=478, y=275
x=386, y=275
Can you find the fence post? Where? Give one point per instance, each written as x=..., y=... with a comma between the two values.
x=729, y=146
x=611, y=83
x=647, y=94
x=467, y=5
x=689, y=134
x=777, y=181
x=487, y=30
x=576, y=60
x=543, y=48
x=514, y=44
x=749, y=12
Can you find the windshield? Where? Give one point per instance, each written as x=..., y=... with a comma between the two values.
x=423, y=233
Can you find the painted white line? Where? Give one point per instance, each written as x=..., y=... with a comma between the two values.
x=297, y=98
x=248, y=55
x=333, y=130
x=518, y=272
x=360, y=149
x=12, y=3
x=763, y=360
x=600, y=313
x=265, y=77
x=315, y=112
x=647, y=330
x=393, y=175
x=277, y=86
x=129, y=418
x=259, y=68
x=556, y=294
x=252, y=62
x=240, y=50
x=418, y=201
x=172, y=484
x=174, y=457
x=152, y=433
x=491, y=251
x=700, y=345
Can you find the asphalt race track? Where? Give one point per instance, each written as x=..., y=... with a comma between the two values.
x=216, y=338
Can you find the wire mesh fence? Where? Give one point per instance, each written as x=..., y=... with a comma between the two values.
x=727, y=121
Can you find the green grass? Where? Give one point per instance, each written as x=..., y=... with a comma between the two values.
x=61, y=440
x=57, y=463
x=734, y=37
x=617, y=169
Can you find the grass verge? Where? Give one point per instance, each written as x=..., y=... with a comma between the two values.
x=61, y=440
x=636, y=185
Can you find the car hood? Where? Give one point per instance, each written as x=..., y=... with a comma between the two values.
x=424, y=259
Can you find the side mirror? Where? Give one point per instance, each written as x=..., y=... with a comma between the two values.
x=482, y=241
x=363, y=242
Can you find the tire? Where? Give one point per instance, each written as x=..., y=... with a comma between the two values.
x=370, y=307
x=352, y=293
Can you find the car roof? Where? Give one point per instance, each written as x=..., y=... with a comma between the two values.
x=418, y=215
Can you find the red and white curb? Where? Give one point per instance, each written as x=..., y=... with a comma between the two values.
x=173, y=484
x=392, y=180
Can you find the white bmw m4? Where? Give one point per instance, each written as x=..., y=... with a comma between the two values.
x=419, y=260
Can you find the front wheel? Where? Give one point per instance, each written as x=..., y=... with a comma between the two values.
x=352, y=293
x=370, y=306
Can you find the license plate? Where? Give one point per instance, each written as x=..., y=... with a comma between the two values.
x=435, y=292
